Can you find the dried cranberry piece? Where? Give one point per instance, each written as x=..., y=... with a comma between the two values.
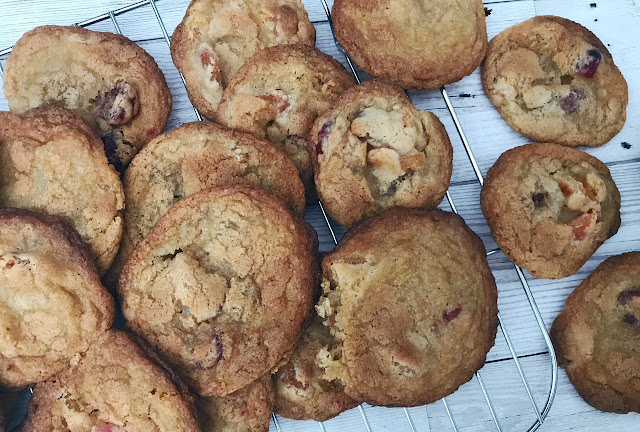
x=539, y=199
x=630, y=319
x=118, y=105
x=218, y=344
x=322, y=135
x=452, y=314
x=626, y=296
x=588, y=65
x=571, y=103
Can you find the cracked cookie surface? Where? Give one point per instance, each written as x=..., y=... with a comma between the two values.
x=416, y=44
x=221, y=286
x=246, y=410
x=112, y=388
x=555, y=81
x=597, y=336
x=107, y=79
x=412, y=306
x=279, y=93
x=52, y=305
x=216, y=37
x=191, y=158
x=373, y=150
x=37, y=173
x=302, y=393
x=550, y=207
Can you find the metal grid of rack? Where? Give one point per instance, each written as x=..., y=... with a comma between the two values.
x=539, y=414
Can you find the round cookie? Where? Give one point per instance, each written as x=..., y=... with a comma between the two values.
x=373, y=150
x=221, y=285
x=52, y=305
x=414, y=44
x=555, y=81
x=216, y=37
x=110, y=81
x=246, y=410
x=597, y=336
x=412, y=306
x=302, y=393
x=113, y=388
x=550, y=207
x=51, y=162
x=278, y=94
x=191, y=158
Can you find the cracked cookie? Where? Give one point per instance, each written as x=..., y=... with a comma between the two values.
x=414, y=44
x=52, y=305
x=412, y=306
x=279, y=93
x=302, y=393
x=597, y=336
x=373, y=150
x=110, y=81
x=191, y=158
x=555, y=81
x=246, y=410
x=221, y=285
x=550, y=207
x=112, y=388
x=51, y=162
x=216, y=37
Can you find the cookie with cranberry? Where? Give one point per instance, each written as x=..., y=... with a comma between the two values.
x=51, y=162
x=550, y=207
x=279, y=93
x=416, y=45
x=555, y=81
x=191, y=158
x=114, y=387
x=302, y=393
x=216, y=37
x=246, y=410
x=110, y=81
x=412, y=307
x=221, y=285
x=373, y=150
x=52, y=305
x=597, y=336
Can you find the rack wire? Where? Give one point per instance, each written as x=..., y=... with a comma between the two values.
x=540, y=414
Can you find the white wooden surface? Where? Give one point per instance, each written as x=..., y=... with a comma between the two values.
x=616, y=22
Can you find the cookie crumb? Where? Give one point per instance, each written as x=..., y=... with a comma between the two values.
x=593, y=5
x=625, y=145
x=487, y=12
x=465, y=95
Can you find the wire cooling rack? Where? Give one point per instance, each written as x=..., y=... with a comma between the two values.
x=537, y=413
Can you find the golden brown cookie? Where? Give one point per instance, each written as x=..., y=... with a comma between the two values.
x=221, y=285
x=52, y=305
x=246, y=410
x=191, y=158
x=555, y=81
x=597, y=336
x=414, y=44
x=110, y=81
x=373, y=150
x=302, y=393
x=550, y=207
x=412, y=306
x=278, y=94
x=113, y=388
x=51, y=162
x=216, y=37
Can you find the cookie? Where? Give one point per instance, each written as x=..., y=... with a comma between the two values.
x=373, y=150
x=52, y=305
x=597, y=336
x=555, y=81
x=416, y=45
x=113, y=388
x=220, y=286
x=110, y=81
x=278, y=94
x=37, y=173
x=302, y=393
x=550, y=207
x=217, y=36
x=412, y=306
x=191, y=158
x=246, y=410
